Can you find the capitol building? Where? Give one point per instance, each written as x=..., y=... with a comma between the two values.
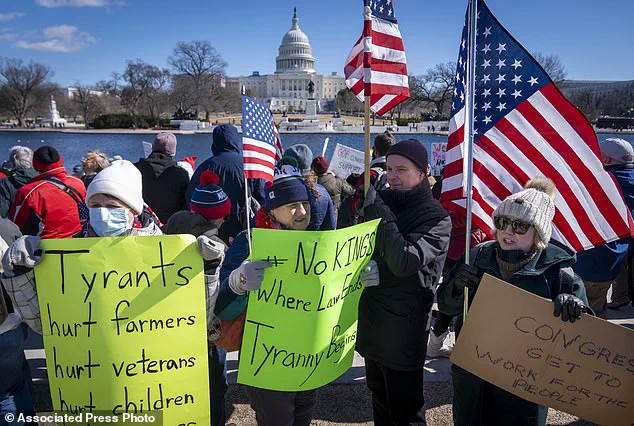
x=287, y=89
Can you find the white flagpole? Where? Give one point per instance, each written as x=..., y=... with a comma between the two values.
x=246, y=193
x=469, y=127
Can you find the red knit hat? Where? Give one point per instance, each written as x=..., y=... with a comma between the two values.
x=208, y=199
x=46, y=158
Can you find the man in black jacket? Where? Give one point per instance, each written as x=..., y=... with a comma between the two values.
x=411, y=246
x=164, y=182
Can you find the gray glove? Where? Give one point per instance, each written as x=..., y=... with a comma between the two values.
x=370, y=274
x=210, y=249
x=23, y=253
x=248, y=276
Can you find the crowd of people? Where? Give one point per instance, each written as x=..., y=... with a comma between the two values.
x=418, y=259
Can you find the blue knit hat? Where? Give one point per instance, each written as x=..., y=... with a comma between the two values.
x=287, y=187
x=208, y=199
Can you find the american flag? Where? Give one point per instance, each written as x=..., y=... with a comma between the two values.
x=524, y=127
x=261, y=145
x=376, y=65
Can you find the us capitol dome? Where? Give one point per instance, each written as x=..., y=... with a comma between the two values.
x=287, y=88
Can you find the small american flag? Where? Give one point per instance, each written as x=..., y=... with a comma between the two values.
x=261, y=145
x=524, y=127
x=376, y=65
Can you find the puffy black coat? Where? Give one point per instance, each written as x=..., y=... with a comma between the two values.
x=411, y=246
x=227, y=163
x=164, y=184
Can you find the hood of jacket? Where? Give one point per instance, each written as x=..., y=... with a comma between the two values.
x=157, y=163
x=186, y=222
x=554, y=254
x=21, y=177
x=226, y=139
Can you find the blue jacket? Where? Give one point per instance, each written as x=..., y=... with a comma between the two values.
x=322, y=211
x=230, y=305
x=603, y=263
x=227, y=163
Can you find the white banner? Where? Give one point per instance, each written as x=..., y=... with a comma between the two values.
x=346, y=160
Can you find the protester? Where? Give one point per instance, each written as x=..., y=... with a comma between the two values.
x=227, y=163
x=523, y=256
x=164, y=183
x=411, y=245
x=382, y=144
x=209, y=207
x=20, y=171
x=49, y=204
x=321, y=206
x=337, y=188
x=609, y=265
x=286, y=206
x=346, y=216
x=15, y=397
x=92, y=163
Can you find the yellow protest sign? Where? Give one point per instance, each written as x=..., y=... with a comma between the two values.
x=124, y=326
x=301, y=326
x=585, y=368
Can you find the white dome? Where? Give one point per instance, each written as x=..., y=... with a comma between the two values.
x=295, y=52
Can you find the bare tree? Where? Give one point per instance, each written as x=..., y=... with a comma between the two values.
x=142, y=82
x=436, y=87
x=552, y=65
x=200, y=62
x=87, y=102
x=348, y=102
x=23, y=87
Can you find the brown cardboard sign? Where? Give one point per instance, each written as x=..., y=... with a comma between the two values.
x=512, y=339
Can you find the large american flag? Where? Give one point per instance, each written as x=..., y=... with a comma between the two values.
x=524, y=127
x=261, y=145
x=376, y=65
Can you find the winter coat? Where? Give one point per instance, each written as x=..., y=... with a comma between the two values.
x=322, y=211
x=42, y=208
x=547, y=274
x=10, y=318
x=9, y=187
x=411, y=246
x=227, y=163
x=337, y=188
x=603, y=263
x=186, y=222
x=164, y=184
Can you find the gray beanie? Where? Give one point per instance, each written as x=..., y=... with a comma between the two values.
x=619, y=150
x=303, y=154
x=533, y=205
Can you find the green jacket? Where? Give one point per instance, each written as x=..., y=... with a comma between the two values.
x=9, y=187
x=548, y=274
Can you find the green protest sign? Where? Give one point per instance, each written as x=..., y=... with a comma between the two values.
x=301, y=326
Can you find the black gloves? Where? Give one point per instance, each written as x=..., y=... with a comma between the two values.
x=569, y=306
x=375, y=208
x=466, y=276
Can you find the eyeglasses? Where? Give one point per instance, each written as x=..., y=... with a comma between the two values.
x=518, y=226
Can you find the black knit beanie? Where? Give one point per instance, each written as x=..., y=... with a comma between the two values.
x=413, y=150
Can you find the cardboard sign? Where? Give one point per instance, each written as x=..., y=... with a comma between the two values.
x=346, y=160
x=585, y=368
x=301, y=325
x=438, y=157
x=125, y=327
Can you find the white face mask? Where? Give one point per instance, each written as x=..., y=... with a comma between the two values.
x=109, y=222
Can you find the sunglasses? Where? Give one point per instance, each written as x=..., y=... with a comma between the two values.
x=518, y=226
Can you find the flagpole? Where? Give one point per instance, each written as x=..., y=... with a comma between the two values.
x=366, y=175
x=469, y=127
x=246, y=193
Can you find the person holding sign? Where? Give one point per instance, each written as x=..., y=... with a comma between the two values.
x=411, y=246
x=286, y=206
x=523, y=255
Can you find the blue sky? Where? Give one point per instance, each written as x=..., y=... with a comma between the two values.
x=86, y=40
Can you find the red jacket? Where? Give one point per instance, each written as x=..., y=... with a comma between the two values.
x=41, y=208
